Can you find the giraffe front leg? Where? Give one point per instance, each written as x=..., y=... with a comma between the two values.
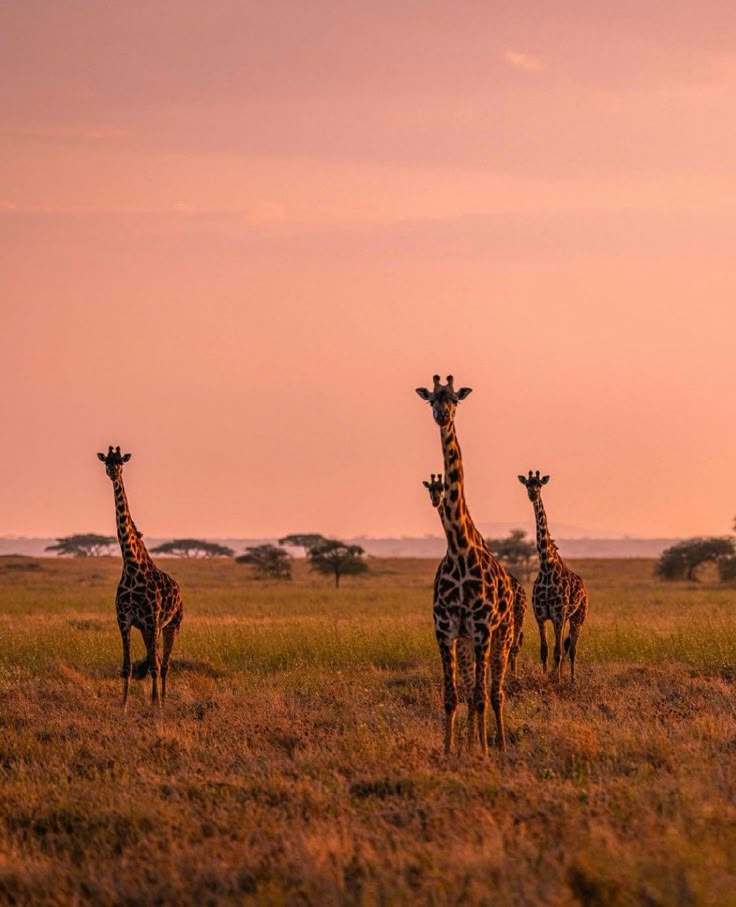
x=127, y=666
x=480, y=695
x=447, y=654
x=557, y=653
x=466, y=682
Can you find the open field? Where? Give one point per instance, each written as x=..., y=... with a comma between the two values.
x=299, y=758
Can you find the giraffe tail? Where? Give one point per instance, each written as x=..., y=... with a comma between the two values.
x=140, y=669
x=567, y=644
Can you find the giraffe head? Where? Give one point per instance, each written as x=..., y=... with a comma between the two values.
x=113, y=461
x=436, y=488
x=443, y=399
x=534, y=484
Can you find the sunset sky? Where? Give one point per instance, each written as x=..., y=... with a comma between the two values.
x=235, y=236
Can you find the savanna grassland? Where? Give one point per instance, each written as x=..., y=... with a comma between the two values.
x=299, y=757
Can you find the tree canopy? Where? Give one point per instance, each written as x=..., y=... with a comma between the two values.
x=268, y=561
x=515, y=551
x=727, y=569
x=681, y=561
x=305, y=540
x=334, y=558
x=193, y=548
x=83, y=545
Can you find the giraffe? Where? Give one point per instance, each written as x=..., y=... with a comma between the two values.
x=558, y=594
x=436, y=488
x=147, y=598
x=472, y=591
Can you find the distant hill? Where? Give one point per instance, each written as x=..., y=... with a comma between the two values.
x=427, y=546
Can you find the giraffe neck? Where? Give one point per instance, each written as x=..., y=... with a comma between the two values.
x=131, y=544
x=459, y=527
x=546, y=548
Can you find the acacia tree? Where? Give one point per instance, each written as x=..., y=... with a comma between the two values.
x=515, y=552
x=84, y=545
x=193, y=548
x=268, y=561
x=305, y=540
x=727, y=569
x=334, y=558
x=681, y=561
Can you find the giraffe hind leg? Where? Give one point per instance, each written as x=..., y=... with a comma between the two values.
x=169, y=634
x=543, y=647
x=126, y=669
x=150, y=637
x=571, y=643
x=557, y=654
x=500, y=646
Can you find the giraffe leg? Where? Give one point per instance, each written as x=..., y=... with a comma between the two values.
x=543, y=647
x=514, y=652
x=557, y=654
x=449, y=669
x=154, y=662
x=466, y=682
x=499, y=657
x=169, y=635
x=127, y=667
x=480, y=694
x=571, y=643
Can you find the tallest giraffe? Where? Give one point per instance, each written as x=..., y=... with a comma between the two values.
x=473, y=596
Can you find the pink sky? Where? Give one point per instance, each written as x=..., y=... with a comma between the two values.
x=237, y=235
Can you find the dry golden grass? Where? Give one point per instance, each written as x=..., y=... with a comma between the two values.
x=299, y=759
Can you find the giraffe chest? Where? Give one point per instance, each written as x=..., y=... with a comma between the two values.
x=551, y=592
x=147, y=597
x=465, y=584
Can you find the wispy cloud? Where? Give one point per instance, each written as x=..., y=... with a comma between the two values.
x=523, y=61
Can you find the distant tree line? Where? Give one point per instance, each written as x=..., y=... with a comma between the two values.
x=330, y=557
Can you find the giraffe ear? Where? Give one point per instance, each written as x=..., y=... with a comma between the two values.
x=424, y=393
x=464, y=392
x=101, y=457
x=522, y=479
x=426, y=484
x=126, y=457
x=545, y=479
